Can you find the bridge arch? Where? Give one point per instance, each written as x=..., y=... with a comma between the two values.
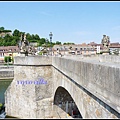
x=64, y=100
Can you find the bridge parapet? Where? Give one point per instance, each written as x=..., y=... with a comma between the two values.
x=109, y=58
x=31, y=85
x=33, y=60
x=99, y=78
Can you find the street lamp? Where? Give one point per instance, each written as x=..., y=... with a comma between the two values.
x=51, y=41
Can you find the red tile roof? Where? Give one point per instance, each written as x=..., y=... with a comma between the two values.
x=9, y=49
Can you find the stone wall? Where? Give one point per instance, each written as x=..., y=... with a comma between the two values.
x=24, y=94
x=33, y=60
x=93, y=85
x=109, y=58
x=98, y=83
x=89, y=105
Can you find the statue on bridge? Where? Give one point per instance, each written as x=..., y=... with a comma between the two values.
x=25, y=47
x=106, y=44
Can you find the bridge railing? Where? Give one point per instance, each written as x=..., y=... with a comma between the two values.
x=98, y=78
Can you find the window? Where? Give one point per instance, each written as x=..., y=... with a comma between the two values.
x=84, y=50
x=81, y=49
x=75, y=48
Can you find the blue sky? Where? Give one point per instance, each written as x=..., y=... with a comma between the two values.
x=77, y=22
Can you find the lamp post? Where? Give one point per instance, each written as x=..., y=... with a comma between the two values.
x=51, y=41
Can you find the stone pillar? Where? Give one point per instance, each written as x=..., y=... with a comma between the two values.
x=30, y=93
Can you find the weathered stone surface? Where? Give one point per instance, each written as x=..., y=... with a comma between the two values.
x=109, y=58
x=93, y=85
x=94, y=76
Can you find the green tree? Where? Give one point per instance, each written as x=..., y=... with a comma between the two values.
x=33, y=36
x=36, y=37
x=1, y=41
x=13, y=42
x=28, y=37
x=1, y=106
x=7, y=59
x=16, y=38
x=7, y=40
x=2, y=28
x=58, y=43
x=16, y=33
x=68, y=43
x=41, y=41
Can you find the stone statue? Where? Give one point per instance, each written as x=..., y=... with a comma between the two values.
x=24, y=46
x=106, y=42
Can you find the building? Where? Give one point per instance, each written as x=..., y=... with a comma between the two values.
x=76, y=49
x=114, y=47
x=35, y=44
x=8, y=51
x=5, y=32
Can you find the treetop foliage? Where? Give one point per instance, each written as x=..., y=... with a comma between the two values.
x=2, y=29
x=13, y=40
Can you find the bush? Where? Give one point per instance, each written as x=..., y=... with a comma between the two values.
x=40, y=53
x=0, y=106
x=7, y=59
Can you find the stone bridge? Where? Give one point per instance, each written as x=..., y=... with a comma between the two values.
x=64, y=87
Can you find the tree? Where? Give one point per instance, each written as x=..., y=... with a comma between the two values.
x=16, y=33
x=1, y=106
x=58, y=43
x=41, y=41
x=16, y=38
x=2, y=28
x=68, y=43
x=7, y=59
x=13, y=42
x=33, y=36
x=28, y=37
x=36, y=37
x=9, y=40
x=1, y=41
